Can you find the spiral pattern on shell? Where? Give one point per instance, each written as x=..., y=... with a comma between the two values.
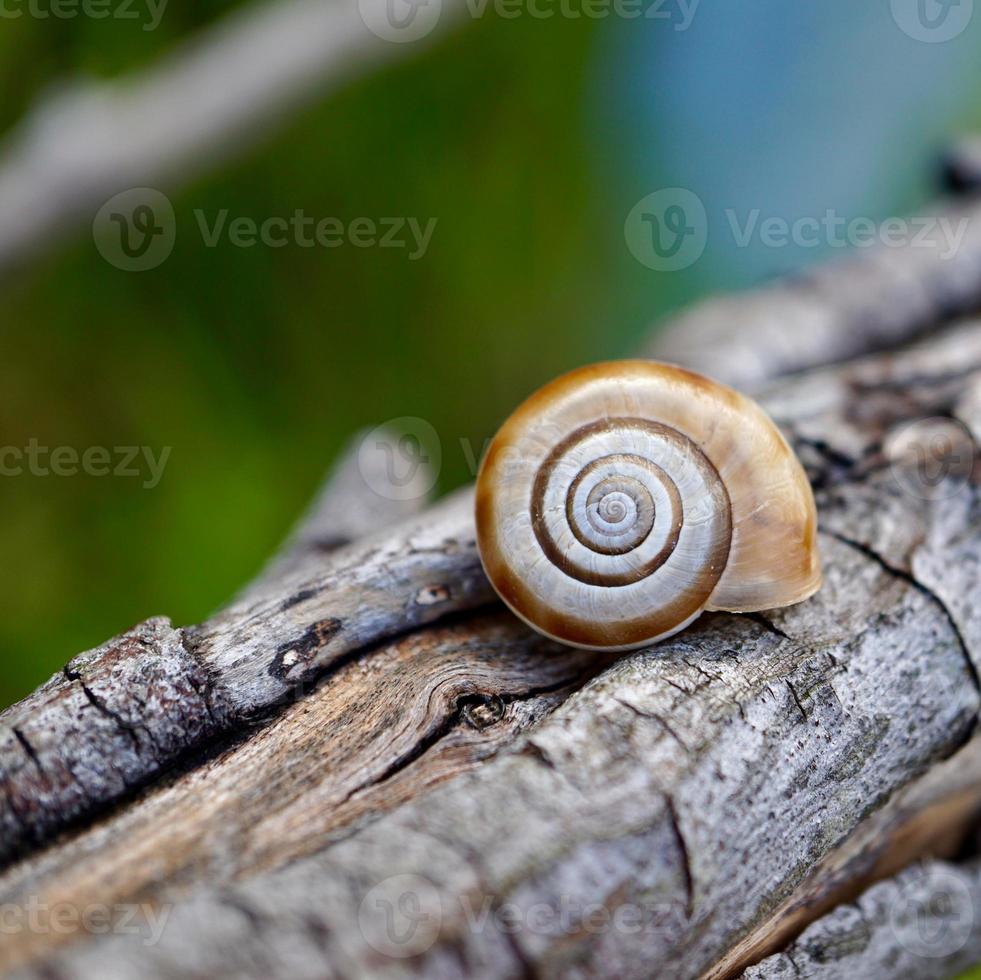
x=609, y=505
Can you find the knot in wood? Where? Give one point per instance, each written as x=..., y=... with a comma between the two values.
x=480, y=711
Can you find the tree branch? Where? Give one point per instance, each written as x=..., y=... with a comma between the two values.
x=214, y=96
x=714, y=794
x=876, y=299
x=919, y=926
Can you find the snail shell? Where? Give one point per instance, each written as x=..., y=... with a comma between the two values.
x=623, y=499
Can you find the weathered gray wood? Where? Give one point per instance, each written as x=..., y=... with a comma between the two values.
x=714, y=794
x=936, y=814
x=121, y=714
x=380, y=730
x=263, y=646
x=95, y=731
x=922, y=925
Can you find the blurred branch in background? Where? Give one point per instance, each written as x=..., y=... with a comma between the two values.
x=882, y=296
x=214, y=96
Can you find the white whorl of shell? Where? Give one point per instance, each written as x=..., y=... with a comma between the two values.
x=665, y=511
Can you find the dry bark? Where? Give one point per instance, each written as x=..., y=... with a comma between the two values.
x=365, y=725
x=921, y=923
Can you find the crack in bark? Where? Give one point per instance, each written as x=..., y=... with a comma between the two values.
x=793, y=963
x=868, y=882
x=689, y=881
x=770, y=627
x=204, y=684
x=654, y=716
x=528, y=969
x=533, y=749
x=679, y=688
x=911, y=580
x=28, y=749
x=121, y=723
x=793, y=694
x=838, y=468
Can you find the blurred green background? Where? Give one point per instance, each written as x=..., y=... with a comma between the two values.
x=529, y=140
